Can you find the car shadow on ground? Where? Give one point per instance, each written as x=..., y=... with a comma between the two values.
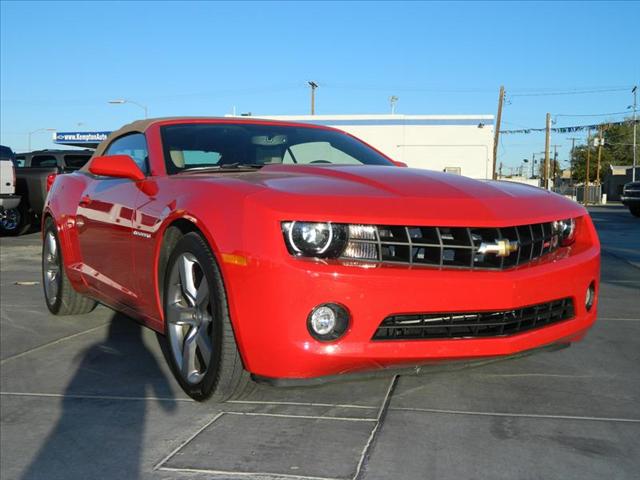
x=108, y=439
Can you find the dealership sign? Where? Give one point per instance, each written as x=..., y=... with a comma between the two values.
x=77, y=138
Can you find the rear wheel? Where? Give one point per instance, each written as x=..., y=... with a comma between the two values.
x=200, y=343
x=60, y=297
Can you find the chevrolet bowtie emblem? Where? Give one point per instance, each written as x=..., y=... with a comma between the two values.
x=502, y=248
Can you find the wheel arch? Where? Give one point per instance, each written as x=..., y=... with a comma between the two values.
x=62, y=234
x=173, y=230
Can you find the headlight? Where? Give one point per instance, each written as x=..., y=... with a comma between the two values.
x=566, y=231
x=315, y=239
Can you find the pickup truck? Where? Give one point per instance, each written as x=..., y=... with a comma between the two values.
x=34, y=176
x=8, y=200
x=631, y=198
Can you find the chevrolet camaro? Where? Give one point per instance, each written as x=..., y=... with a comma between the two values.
x=286, y=252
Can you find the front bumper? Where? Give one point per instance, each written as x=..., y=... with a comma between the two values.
x=7, y=202
x=630, y=201
x=270, y=301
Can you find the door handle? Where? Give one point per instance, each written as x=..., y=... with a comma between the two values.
x=85, y=201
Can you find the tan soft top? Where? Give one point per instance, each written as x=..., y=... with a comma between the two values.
x=140, y=126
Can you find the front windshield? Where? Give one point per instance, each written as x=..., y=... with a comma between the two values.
x=202, y=146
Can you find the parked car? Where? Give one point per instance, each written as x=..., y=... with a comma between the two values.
x=36, y=172
x=293, y=253
x=8, y=200
x=631, y=197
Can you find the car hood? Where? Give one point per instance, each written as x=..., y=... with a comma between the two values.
x=376, y=194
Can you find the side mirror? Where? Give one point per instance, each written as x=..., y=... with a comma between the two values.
x=118, y=166
x=399, y=164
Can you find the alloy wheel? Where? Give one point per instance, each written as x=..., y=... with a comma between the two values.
x=51, y=268
x=10, y=220
x=189, y=320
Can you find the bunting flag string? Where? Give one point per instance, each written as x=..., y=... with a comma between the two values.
x=576, y=128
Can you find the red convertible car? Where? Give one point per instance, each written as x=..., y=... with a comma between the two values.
x=290, y=251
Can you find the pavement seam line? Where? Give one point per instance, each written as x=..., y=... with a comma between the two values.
x=54, y=342
x=93, y=397
x=316, y=417
x=159, y=465
x=246, y=474
x=183, y=444
x=303, y=404
x=522, y=415
x=382, y=414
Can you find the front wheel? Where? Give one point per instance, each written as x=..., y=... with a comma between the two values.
x=201, y=347
x=635, y=211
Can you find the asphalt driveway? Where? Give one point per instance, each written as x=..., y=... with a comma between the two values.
x=90, y=397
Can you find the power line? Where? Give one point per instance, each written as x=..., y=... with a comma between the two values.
x=568, y=92
x=514, y=124
x=589, y=114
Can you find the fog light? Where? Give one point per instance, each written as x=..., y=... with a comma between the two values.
x=328, y=321
x=590, y=296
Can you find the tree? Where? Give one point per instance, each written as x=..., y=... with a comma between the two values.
x=617, y=150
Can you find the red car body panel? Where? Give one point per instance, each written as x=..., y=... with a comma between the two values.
x=111, y=234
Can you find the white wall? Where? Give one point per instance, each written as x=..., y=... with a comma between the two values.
x=534, y=182
x=423, y=141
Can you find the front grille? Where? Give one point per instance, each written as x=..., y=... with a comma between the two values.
x=474, y=325
x=450, y=247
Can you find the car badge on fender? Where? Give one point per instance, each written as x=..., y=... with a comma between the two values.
x=502, y=248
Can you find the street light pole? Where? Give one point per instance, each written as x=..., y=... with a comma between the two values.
x=36, y=131
x=120, y=101
x=392, y=101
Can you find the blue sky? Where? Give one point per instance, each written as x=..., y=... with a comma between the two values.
x=62, y=61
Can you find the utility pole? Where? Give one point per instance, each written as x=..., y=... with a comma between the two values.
x=496, y=134
x=600, y=142
x=586, y=181
x=313, y=86
x=533, y=166
x=573, y=149
x=635, y=126
x=547, y=138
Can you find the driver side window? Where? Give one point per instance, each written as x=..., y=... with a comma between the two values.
x=134, y=145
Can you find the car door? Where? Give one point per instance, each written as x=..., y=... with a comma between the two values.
x=105, y=228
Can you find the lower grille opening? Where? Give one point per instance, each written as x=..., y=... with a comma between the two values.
x=474, y=325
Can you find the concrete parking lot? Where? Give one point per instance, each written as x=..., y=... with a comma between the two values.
x=90, y=397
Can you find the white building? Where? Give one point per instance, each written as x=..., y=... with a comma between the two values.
x=461, y=144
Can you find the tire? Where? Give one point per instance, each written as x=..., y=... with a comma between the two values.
x=635, y=211
x=15, y=221
x=59, y=295
x=199, y=342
